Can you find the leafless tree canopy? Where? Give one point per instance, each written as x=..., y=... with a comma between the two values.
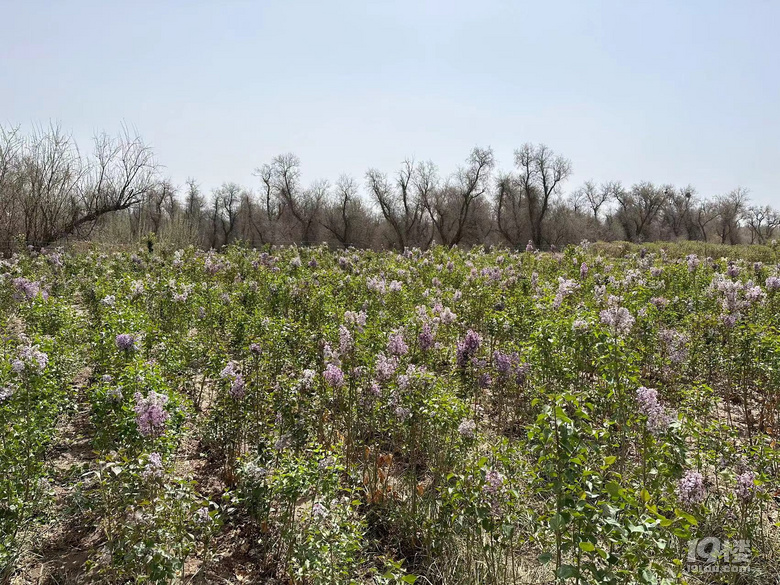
x=51, y=191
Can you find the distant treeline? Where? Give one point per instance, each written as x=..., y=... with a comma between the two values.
x=50, y=191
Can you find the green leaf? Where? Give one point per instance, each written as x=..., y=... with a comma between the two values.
x=613, y=489
x=691, y=520
x=587, y=546
x=544, y=558
x=566, y=571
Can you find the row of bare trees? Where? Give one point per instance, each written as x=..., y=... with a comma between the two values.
x=50, y=191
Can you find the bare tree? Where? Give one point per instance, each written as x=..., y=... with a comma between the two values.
x=122, y=173
x=541, y=174
x=227, y=200
x=343, y=211
x=705, y=214
x=401, y=204
x=762, y=223
x=511, y=215
x=281, y=180
x=731, y=210
x=49, y=190
x=677, y=213
x=638, y=208
x=449, y=207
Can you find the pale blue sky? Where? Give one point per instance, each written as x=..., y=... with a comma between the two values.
x=684, y=91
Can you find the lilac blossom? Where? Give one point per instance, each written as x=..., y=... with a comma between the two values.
x=618, y=319
x=28, y=289
x=229, y=371
x=238, y=387
x=150, y=412
x=746, y=487
x=402, y=413
x=5, y=394
x=385, y=367
x=580, y=325
x=690, y=489
x=154, y=467
x=658, y=418
x=346, y=342
x=494, y=480
x=202, y=516
x=31, y=357
x=674, y=344
x=358, y=320
x=468, y=347
x=565, y=288
x=426, y=337
x=467, y=428
x=333, y=376
x=126, y=342
x=396, y=344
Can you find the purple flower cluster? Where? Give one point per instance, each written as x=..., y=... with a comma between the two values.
x=467, y=348
x=746, y=486
x=493, y=482
x=658, y=419
x=237, y=383
x=619, y=320
x=773, y=283
x=396, y=344
x=377, y=284
x=333, y=376
x=153, y=467
x=402, y=413
x=566, y=288
x=5, y=394
x=508, y=365
x=28, y=289
x=426, y=337
x=356, y=319
x=346, y=341
x=30, y=358
x=114, y=395
x=150, y=413
x=385, y=367
x=690, y=489
x=126, y=342
x=202, y=516
x=467, y=428
x=674, y=344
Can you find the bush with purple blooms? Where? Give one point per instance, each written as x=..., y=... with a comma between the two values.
x=446, y=415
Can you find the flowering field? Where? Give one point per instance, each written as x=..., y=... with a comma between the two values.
x=599, y=415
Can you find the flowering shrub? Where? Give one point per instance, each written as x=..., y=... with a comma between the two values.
x=449, y=416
